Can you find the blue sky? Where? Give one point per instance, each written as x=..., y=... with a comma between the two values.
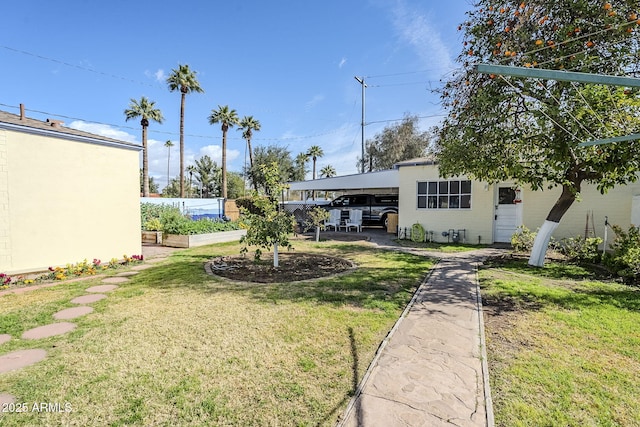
x=290, y=64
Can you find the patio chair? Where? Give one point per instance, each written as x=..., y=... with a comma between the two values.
x=355, y=220
x=334, y=219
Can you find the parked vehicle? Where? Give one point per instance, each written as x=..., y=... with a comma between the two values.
x=375, y=208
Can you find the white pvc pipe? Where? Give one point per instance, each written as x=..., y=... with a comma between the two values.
x=541, y=243
x=275, y=255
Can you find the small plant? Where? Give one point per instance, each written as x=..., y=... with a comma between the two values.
x=315, y=218
x=522, y=239
x=153, y=224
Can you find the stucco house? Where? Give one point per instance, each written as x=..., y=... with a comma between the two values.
x=65, y=195
x=491, y=213
x=478, y=212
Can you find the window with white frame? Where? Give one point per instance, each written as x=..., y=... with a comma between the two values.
x=451, y=194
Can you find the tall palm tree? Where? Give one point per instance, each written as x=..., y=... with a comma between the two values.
x=315, y=152
x=145, y=109
x=228, y=118
x=184, y=80
x=168, y=144
x=247, y=125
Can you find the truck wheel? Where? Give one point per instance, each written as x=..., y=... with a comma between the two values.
x=384, y=221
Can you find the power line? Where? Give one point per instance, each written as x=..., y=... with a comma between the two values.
x=91, y=70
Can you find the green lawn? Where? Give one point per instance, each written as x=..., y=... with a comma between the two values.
x=563, y=350
x=175, y=346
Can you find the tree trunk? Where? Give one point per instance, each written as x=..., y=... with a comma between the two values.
x=253, y=178
x=224, y=162
x=317, y=233
x=276, y=264
x=541, y=242
x=182, y=144
x=145, y=164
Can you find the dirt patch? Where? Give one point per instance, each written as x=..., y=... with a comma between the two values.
x=292, y=267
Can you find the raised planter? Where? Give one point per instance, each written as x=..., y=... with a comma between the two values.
x=190, y=241
x=152, y=237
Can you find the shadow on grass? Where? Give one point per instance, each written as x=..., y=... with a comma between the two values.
x=566, y=286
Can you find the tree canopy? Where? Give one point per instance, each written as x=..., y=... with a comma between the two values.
x=398, y=142
x=528, y=130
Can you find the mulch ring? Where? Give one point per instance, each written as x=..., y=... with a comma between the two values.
x=293, y=267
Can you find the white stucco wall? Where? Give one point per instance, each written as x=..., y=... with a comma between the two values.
x=65, y=201
x=478, y=221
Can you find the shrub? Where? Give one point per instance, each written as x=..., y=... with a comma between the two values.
x=522, y=239
x=581, y=249
x=624, y=259
x=151, y=211
x=173, y=222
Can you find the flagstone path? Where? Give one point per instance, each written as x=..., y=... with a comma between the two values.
x=22, y=358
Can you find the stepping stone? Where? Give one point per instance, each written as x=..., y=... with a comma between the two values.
x=72, y=313
x=6, y=398
x=115, y=280
x=101, y=288
x=47, y=331
x=4, y=338
x=127, y=273
x=88, y=299
x=141, y=267
x=21, y=358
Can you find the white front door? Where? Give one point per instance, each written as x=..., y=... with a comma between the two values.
x=508, y=213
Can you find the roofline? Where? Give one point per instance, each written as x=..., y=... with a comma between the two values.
x=70, y=136
x=415, y=163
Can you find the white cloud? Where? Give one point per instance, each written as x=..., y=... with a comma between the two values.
x=102, y=130
x=417, y=30
x=215, y=152
x=314, y=101
x=342, y=62
x=158, y=75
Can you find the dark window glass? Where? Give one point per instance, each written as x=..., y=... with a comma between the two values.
x=454, y=187
x=422, y=188
x=443, y=187
x=465, y=187
x=422, y=202
x=433, y=202
x=443, y=202
x=465, y=202
x=506, y=195
x=454, y=202
x=359, y=200
x=433, y=187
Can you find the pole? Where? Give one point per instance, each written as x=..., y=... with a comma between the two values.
x=364, y=85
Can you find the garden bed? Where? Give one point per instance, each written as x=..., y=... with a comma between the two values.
x=193, y=240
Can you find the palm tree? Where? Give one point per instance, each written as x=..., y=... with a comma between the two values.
x=168, y=144
x=247, y=125
x=315, y=152
x=145, y=109
x=184, y=80
x=328, y=171
x=228, y=118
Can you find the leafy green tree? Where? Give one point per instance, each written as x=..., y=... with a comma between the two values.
x=236, y=185
x=402, y=141
x=227, y=118
x=328, y=171
x=184, y=80
x=528, y=130
x=271, y=227
x=266, y=155
x=208, y=174
x=168, y=144
x=248, y=125
x=145, y=109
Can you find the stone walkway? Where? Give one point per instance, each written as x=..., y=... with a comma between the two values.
x=22, y=358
